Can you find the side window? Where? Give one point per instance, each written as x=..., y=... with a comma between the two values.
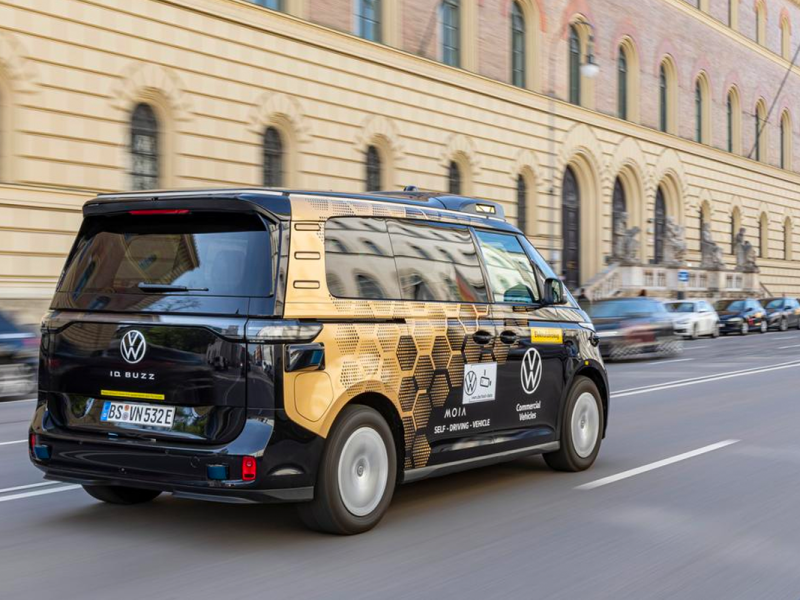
x=511, y=274
x=437, y=263
x=358, y=259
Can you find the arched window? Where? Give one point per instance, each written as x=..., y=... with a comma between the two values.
x=522, y=204
x=454, y=178
x=368, y=19
x=574, y=65
x=659, y=226
x=786, y=38
x=619, y=214
x=698, y=111
x=786, y=140
x=734, y=121
x=622, y=83
x=451, y=32
x=663, y=99
x=763, y=236
x=273, y=4
x=760, y=132
x=761, y=23
x=273, y=158
x=518, y=45
x=787, y=239
x=144, y=148
x=374, y=179
x=702, y=108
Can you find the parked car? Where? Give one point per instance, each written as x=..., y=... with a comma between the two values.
x=782, y=313
x=19, y=352
x=693, y=318
x=741, y=316
x=631, y=327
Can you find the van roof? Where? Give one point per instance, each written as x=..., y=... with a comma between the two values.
x=489, y=210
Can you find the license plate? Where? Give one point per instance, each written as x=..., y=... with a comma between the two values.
x=137, y=414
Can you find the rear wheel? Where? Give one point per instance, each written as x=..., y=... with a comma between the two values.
x=581, y=429
x=356, y=477
x=117, y=494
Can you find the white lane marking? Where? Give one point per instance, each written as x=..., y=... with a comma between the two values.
x=14, y=442
x=695, y=347
x=656, y=465
x=29, y=486
x=708, y=378
x=39, y=493
x=792, y=346
x=665, y=362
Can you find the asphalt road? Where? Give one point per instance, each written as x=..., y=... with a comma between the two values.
x=695, y=495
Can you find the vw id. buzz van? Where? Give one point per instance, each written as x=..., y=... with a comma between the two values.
x=253, y=345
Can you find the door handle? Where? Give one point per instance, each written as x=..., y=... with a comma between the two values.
x=482, y=337
x=508, y=337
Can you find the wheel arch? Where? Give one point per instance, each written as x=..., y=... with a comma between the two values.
x=387, y=409
x=596, y=376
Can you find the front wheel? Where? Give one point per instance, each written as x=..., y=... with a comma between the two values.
x=745, y=328
x=581, y=429
x=117, y=494
x=764, y=327
x=694, y=334
x=784, y=326
x=357, y=475
x=715, y=331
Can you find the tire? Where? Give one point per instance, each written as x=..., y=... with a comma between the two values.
x=784, y=326
x=715, y=331
x=357, y=475
x=745, y=329
x=694, y=335
x=764, y=326
x=117, y=494
x=578, y=452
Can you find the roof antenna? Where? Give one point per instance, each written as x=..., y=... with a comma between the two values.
x=411, y=188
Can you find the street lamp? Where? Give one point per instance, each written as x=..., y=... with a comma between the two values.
x=590, y=68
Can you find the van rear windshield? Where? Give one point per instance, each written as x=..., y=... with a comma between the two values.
x=210, y=254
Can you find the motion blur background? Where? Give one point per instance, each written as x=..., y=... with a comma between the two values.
x=482, y=97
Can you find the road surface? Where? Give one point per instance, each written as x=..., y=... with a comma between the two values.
x=696, y=494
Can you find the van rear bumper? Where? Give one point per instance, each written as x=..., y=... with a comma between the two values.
x=286, y=462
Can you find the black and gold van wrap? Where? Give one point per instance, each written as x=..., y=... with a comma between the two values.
x=412, y=353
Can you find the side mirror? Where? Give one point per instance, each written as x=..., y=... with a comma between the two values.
x=554, y=292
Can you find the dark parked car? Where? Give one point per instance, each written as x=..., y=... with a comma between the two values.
x=630, y=327
x=782, y=313
x=741, y=316
x=19, y=350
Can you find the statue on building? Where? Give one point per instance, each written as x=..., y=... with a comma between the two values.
x=626, y=247
x=745, y=253
x=710, y=251
x=674, y=243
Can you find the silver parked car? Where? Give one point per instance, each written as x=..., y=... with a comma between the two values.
x=693, y=318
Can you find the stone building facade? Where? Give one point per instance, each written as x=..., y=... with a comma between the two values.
x=102, y=95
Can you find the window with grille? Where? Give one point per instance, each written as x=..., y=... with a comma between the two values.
x=373, y=167
x=451, y=31
x=273, y=158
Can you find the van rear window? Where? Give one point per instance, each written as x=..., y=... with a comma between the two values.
x=210, y=254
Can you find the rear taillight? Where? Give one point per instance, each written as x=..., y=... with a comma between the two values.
x=159, y=211
x=30, y=342
x=248, y=468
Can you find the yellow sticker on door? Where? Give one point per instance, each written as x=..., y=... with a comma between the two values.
x=547, y=335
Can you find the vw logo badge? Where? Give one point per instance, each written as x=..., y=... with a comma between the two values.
x=531, y=372
x=133, y=346
x=471, y=383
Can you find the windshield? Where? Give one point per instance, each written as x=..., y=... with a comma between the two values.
x=731, y=305
x=682, y=307
x=776, y=303
x=624, y=308
x=217, y=255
